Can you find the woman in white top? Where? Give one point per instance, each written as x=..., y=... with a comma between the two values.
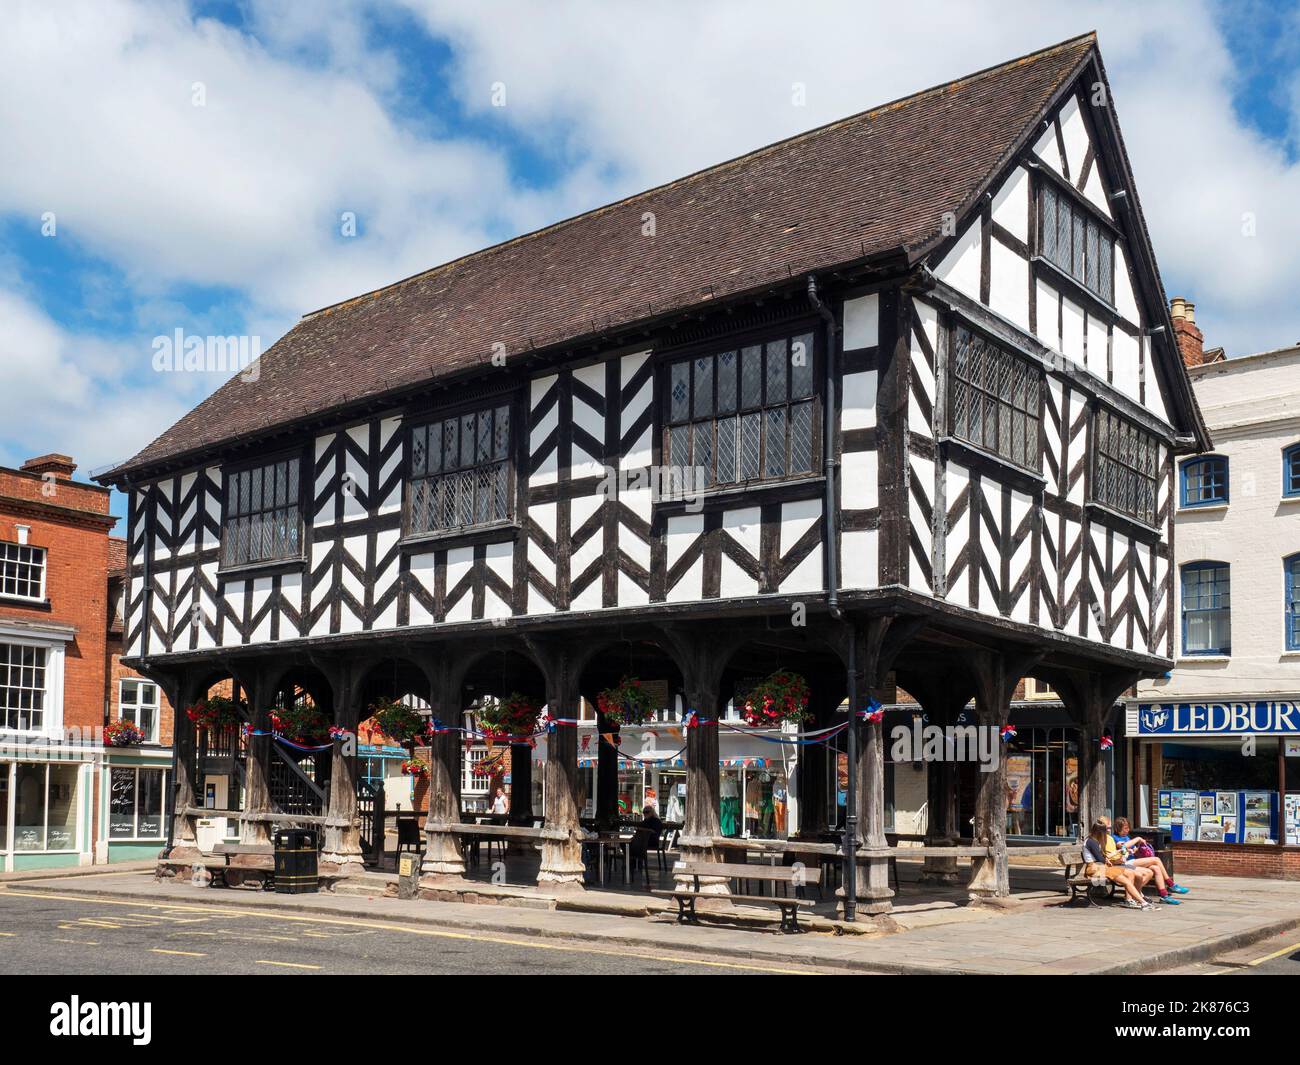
x=499, y=803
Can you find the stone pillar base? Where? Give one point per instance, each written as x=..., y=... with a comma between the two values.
x=562, y=867
x=870, y=901
x=443, y=856
x=348, y=863
x=987, y=880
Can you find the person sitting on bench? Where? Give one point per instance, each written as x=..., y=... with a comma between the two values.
x=1094, y=851
x=1129, y=847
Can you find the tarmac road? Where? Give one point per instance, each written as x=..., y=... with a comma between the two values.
x=44, y=934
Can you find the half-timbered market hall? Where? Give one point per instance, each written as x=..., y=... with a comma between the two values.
x=672, y=500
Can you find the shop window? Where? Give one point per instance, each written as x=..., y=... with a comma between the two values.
x=45, y=807
x=996, y=398
x=1292, y=570
x=460, y=472
x=743, y=415
x=263, y=521
x=135, y=807
x=138, y=703
x=23, y=687
x=1207, y=619
x=1125, y=469
x=22, y=572
x=1042, y=766
x=1291, y=471
x=1204, y=481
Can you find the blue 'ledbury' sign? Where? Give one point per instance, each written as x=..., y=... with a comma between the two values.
x=1218, y=719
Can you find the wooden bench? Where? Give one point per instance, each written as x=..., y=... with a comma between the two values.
x=1078, y=884
x=790, y=875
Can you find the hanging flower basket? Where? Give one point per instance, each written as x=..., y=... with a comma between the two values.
x=777, y=699
x=301, y=723
x=627, y=704
x=216, y=714
x=511, y=718
x=122, y=734
x=412, y=768
x=400, y=722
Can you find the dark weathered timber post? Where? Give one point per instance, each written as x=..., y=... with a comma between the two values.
x=606, y=777
x=342, y=831
x=995, y=676
x=701, y=663
x=181, y=691
x=1089, y=697
x=814, y=765
x=444, y=858
x=257, y=790
x=562, y=868
x=876, y=642
x=942, y=696
x=521, y=784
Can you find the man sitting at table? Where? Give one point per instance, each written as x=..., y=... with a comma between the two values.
x=645, y=835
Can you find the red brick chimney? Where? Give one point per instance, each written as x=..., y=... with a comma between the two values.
x=61, y=466
x=1191, y=341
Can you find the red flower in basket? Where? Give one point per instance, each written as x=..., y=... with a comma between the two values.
x=122, y=734
x=781, y=697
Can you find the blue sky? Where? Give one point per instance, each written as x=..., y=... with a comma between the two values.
x=197, y=158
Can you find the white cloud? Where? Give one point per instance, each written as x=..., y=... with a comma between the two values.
x=310, y=114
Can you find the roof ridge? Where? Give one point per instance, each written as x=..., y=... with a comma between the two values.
x=713, y=168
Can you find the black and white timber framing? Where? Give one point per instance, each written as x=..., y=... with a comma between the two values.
x=974, y=552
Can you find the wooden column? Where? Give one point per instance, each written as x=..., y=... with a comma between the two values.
x=1089, y=698
x=253, y=829
x=943, y=696
x=444, y=858
x=562, y=868
x=873, y=890
x=521, y=784
x=342, y=831
x=995, y=676
x=182, y=691
x=814, y=767
x=606, y=777
x=703, y=780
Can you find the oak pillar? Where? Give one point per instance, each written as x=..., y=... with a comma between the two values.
x=257, y=765
x=562, y=868
x=342, y=831
x=444, y=858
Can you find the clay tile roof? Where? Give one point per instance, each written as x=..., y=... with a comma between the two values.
x=866, y=186
x=116, y=554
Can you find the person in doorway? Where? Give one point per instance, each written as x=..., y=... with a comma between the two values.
x=1138, y=854
x=1095, y=864
x=500, y=804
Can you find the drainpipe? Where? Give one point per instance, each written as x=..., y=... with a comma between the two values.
x=830, y=465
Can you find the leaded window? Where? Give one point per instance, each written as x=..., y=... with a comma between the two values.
x=263, y=521
x=22, y=571
x=995, y=399
x=1071, y=238
x=460, y=472
x=745, y=414
x=1126, y=469
x=22, y=686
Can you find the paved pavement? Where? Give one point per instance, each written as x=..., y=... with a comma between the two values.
x=1221, y=915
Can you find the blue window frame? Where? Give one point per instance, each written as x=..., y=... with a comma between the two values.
x=1205, y=481
x=1291, y=471
x=1291, y=567
x=1207, y=614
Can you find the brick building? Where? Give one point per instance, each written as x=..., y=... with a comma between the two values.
x=66, y=798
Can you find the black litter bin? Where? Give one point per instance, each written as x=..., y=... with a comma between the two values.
x=296, y=870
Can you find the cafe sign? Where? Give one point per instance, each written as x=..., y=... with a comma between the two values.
x=1218, y=719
